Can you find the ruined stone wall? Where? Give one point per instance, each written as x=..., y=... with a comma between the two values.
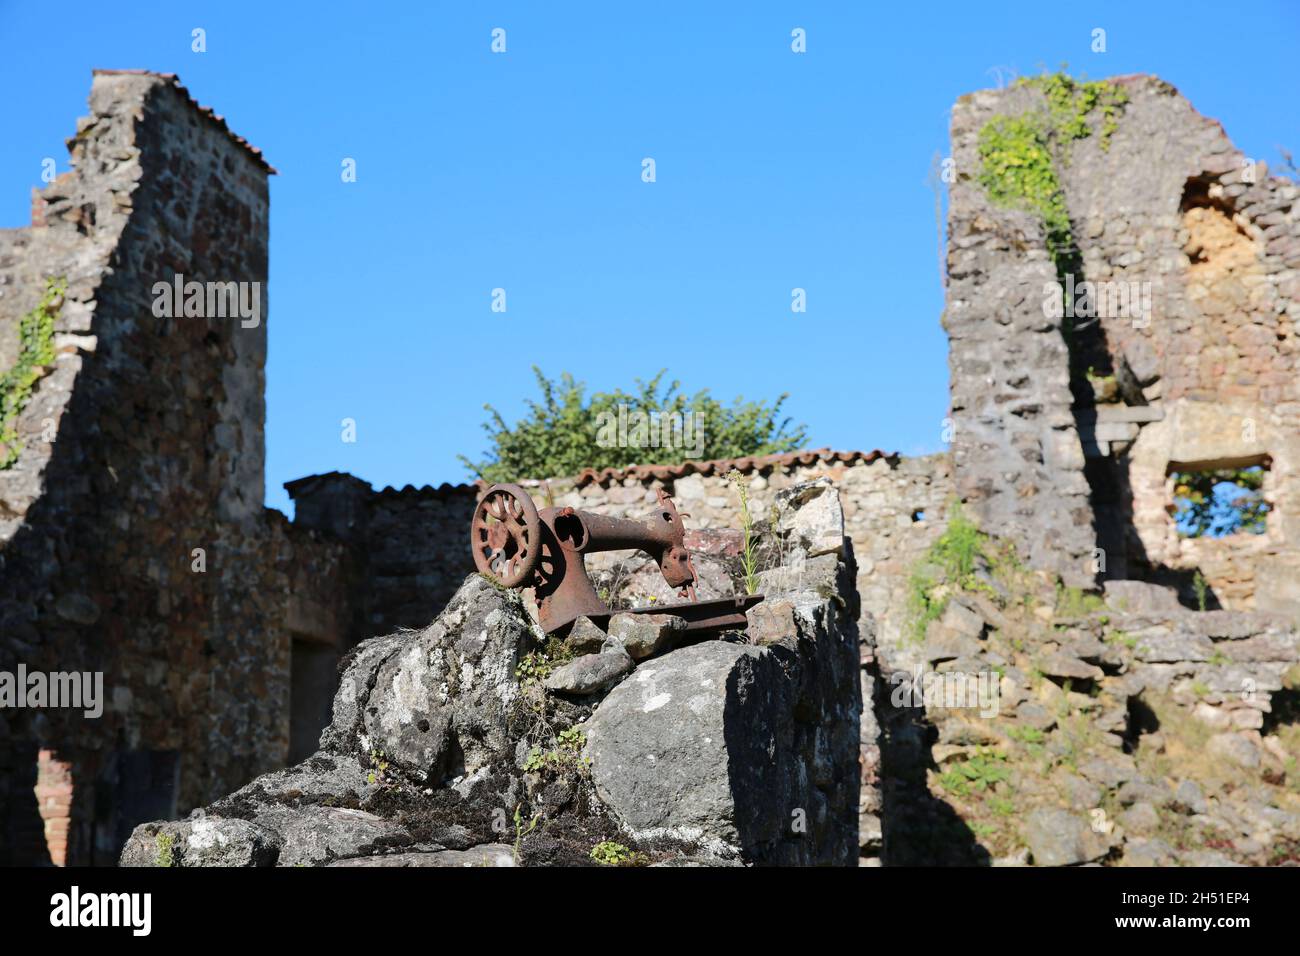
x=1187, y=252
x=411, y=548
x=416, y=541
x=1214, y=369
x=1017, y=455
x=133, y=540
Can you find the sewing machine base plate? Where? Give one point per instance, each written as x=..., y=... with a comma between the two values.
x=720, y=614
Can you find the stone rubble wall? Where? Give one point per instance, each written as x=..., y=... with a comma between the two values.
x=1137, y=732
x=1207, y=379
x=1017, y=455
x=418, y=539
x=1215, y=370
x=733, y=749
x=1225, y=666
x=158, y=450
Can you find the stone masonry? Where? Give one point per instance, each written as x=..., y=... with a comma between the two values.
x=1204, y=377
x=133, y=539
x=739, y=748
x=135, y=542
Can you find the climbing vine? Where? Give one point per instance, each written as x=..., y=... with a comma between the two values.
x=1019, y=155
x=1017, y=171
x=1071, y=101
x=35, y=351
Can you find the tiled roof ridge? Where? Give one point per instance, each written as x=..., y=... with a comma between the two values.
x=720, y=466
x=205, y=110
x=603, y=476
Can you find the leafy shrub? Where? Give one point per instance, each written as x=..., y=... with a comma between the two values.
x=561, y=435
x=614, y=854
x=1019, y=155
x=953, y=559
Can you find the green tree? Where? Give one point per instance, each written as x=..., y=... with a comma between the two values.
x=1220, y=502
x=566, y=430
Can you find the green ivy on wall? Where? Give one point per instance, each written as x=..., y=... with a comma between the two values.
x=1070, y=101
x=1019, y=155
x=35, y=351
x=1017, y=171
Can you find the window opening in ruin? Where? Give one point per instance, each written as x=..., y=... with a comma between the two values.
x=1219, y=501
x=918, y=515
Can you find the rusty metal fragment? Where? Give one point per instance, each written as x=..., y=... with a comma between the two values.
x=517, y=545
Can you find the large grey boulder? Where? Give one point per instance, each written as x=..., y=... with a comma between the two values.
x=669, y=745
x=591, y=673
x=321, y=778
x=1140, y=597
x=750, y=750
x=1061, y=838
x=1235, y=749
x=810, y=518
x=214, y=841
x=643, y=635
x=442, y=694
x=311, y=836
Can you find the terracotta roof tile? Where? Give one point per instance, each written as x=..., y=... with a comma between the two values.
x=205, y=110
x=604, y=476
x=721, y=466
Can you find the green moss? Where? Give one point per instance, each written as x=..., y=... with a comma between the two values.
x=1026, y=735
x=35, y=350
x=981, y=772
x=1002, y=806
x=1017, y=171
x=493, y=581
x=538, y=665
x=923, y=605
x=566, y=755
x=1073, y=603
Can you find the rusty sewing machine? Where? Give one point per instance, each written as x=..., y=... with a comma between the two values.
x=516, y=545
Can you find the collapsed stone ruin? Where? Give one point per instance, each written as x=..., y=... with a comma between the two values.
x=447, y=746
x=1049, y=671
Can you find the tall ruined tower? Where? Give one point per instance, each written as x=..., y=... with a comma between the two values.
x=132, y=519
x=1180, y=260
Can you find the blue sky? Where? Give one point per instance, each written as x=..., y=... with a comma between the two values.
x=523, y=171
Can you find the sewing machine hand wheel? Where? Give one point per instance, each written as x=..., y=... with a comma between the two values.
x=506, y=535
